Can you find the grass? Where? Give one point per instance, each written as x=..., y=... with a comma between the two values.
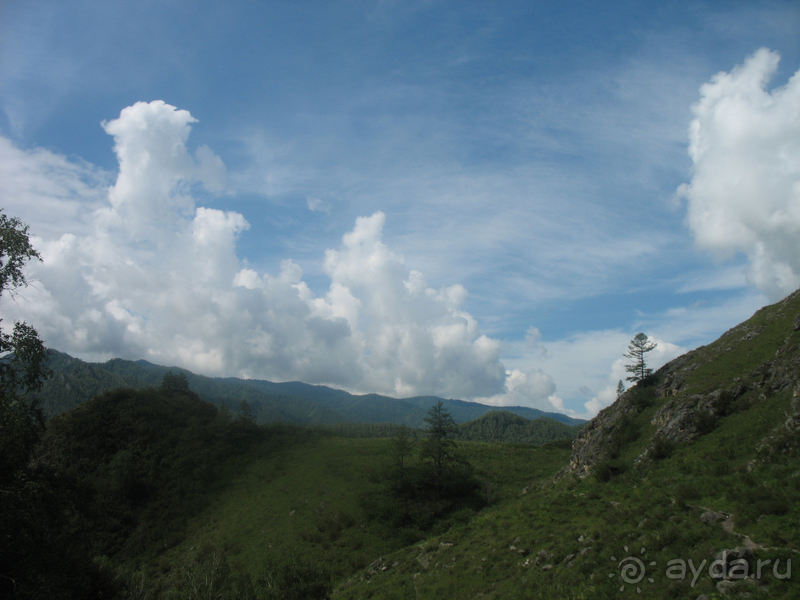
x=303, y=499
x=540, y=538
x=567, y=540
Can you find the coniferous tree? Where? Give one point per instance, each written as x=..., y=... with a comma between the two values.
x=402, y=446
x=637, y=349
x=246, y=412
x=172, y=383
x=439, y=447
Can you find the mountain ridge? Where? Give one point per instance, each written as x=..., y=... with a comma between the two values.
x=75, y=381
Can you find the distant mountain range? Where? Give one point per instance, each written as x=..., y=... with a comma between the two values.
x=75, y=381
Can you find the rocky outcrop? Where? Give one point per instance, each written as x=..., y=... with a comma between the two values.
x=591, y=446
x=684, y=414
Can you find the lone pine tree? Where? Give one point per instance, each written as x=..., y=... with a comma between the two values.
x=637, y=349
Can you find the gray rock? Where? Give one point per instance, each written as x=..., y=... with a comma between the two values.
x=711, y=517
x=676, y=420
x=728, y=586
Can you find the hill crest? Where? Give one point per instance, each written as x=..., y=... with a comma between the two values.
x=748, y=363
x=75, y=381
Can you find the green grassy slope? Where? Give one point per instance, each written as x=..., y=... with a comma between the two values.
x=703, y=459
x=567, y=540
x=504, y=426
x=698, y=463
x=303, y=499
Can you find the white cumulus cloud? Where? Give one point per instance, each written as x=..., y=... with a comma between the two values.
x=150, y=274
x=744, y=195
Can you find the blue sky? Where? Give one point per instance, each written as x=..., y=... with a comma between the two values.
x=469, y=199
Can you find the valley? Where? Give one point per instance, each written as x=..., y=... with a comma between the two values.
x=687, y=486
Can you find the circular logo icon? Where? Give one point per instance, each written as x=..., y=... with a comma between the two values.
x=631, y=570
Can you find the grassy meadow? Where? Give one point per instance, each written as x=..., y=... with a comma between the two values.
x=567, y=540
x=301, y=496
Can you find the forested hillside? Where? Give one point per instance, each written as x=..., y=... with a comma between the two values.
x=132, y=482
x=503, y=426
x=76, y=381
x=118, y=476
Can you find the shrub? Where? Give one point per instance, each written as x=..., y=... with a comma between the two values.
x=608, y=469
x=642, y=395
x=662, y=448
x=705, y=422
x=772, y=506
x=294, y=578
x=625, y=431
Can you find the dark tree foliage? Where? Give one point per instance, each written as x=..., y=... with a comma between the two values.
x=439, y=449
x=402, y=448
x=246, y=412
x=143, y=460
x=42, y=549
x=417, y=496
x=637, y=349
x=23, y=357
x=174, y=384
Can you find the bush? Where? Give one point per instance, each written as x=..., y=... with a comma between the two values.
x=624, y=431
x=662, y=448
x=294, y=579
x=608, y=469
x=704, y=422
x=641, y=396
x=772, y=506
x=648, y=381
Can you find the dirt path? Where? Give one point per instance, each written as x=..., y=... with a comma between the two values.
x=728, y=524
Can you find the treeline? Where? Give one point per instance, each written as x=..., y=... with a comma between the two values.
x=427, y=485
x=496, y=426
x=117, y=478
x=503, y=426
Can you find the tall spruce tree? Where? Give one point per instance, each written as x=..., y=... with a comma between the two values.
x=640, y=346
x=439, y=448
